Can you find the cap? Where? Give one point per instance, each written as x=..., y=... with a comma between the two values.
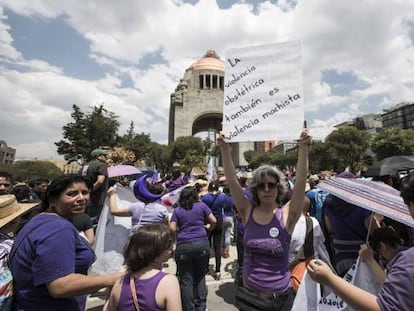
x=97, y=152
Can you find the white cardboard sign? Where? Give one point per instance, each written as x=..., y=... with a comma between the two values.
x=263, y=93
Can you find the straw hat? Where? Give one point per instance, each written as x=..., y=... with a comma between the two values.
x=10, y=209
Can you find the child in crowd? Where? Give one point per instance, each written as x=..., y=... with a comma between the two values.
x=145, y=286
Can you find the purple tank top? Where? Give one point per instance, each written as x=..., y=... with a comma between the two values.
x=145, y=293
x=266, y=251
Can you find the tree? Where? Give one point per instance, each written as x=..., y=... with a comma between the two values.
x=87, y=132
x=345, y=147
x=119, y=155
x=29, y=170
x=140, y=144
x=319, y=158
x=393, y=141
x=188, y=152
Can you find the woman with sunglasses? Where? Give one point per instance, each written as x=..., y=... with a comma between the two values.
x=49, y=260
x=268, y=229
x=396, y=291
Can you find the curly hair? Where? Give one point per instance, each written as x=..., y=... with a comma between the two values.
x=260, y=173
x=146, y=244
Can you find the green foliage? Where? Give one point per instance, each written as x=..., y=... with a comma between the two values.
x=188, y=151
x=29, y=170
x=393, y=141
x=346, y=146
x=249, y=155
x=160, y=157
x=140, y=144
x=87, y=132
x=319, y=157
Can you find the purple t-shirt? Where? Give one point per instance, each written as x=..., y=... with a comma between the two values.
x=47, y=248
x=145, y=288
x=191, y=222
x=397, y=291
x=266, y=251
x=151, y=213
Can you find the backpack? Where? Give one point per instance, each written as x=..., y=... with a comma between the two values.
x=305, y=255
x=6, y=278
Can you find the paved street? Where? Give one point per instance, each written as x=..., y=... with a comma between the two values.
x=220, y=293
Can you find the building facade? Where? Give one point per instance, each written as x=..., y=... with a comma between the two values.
x=7, y=154
x=197, y=103
x=401, y=115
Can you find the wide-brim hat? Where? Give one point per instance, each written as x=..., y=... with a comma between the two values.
x=98, y=152
x=17, y=210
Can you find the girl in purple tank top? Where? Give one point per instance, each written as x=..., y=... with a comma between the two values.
x=267, y=229
x=148, y=248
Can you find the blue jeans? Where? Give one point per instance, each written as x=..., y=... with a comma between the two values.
x=192, y=263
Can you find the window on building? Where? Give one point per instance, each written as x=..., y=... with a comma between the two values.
x=201, y=78
x=214, y=82
x=208, y=81
x=221, y=83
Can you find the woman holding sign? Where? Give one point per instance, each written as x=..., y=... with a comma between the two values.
x=396, y=292
x=268, y=229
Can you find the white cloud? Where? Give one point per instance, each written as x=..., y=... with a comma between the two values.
x=369, y=39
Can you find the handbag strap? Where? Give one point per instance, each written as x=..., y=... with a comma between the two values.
x=134, y=292
x=308, y=246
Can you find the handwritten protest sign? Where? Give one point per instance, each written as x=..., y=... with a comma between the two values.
x=263, y=93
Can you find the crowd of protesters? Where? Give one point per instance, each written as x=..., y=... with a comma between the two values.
x=263, y=212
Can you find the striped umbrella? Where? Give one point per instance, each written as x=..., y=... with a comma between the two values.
x=371, y=195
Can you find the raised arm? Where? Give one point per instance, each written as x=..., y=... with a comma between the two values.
x=293, y=209
x=242, y=204
x=113, y=207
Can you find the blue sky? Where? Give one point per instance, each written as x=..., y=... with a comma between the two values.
x=357, y=58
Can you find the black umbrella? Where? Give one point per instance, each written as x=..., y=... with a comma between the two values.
x=391, y=165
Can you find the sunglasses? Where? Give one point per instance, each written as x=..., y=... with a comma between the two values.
x=270, y=186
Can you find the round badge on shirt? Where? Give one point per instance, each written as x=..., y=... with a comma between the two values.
x=274, y=232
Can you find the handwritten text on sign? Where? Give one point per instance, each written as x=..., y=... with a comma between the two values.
x=263, y=93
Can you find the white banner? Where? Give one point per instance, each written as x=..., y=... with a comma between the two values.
x=263, y=93
x=112, y=234
x=308, y=297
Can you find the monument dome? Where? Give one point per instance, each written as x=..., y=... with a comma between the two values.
x=209, y=61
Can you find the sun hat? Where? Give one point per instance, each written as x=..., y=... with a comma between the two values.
x=98, y=152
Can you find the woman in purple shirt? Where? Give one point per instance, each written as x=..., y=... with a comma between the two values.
x=191, y=220
x=267, y=229
x=49, y=259
x=396, y=292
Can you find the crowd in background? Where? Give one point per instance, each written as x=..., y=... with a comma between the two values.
x=238, y=208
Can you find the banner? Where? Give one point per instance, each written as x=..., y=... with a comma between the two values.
x=310, y=298
x=112, y=234
x=263, y=93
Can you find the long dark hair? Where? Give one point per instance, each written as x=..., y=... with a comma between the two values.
x=188, y=196
x=59, y=185
x=53, y=191
x=146, y=244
